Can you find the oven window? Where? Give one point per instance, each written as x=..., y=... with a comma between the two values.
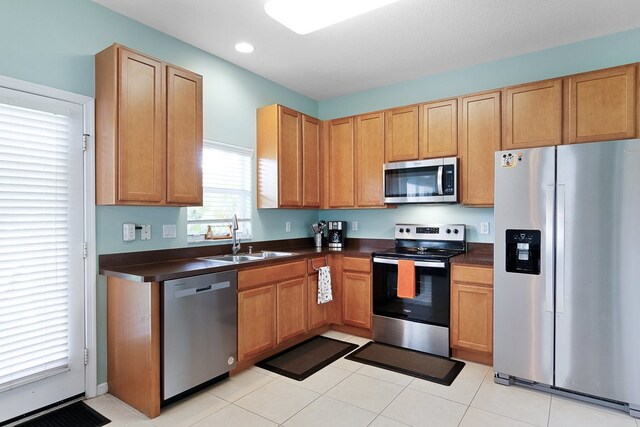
x=431, y=304
x=415, y=182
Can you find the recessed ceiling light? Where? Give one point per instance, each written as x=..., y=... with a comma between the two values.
x=306, y=16
x=244, y=47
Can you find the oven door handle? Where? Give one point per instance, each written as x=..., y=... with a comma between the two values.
x=393, y=261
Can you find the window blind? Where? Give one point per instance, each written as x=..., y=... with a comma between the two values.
x=34, y=243
x=226, y=182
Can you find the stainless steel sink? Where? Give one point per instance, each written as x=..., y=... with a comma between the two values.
x=246, y=257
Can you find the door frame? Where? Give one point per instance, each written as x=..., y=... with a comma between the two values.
x=90, y=321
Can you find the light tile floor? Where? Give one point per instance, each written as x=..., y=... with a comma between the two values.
x=350, y=394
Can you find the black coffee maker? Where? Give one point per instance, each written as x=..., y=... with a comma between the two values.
x=337, y=234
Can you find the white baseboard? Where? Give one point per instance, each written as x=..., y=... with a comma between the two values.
x=102, y=389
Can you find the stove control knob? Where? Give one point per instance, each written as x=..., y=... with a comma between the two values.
x=448, y=231
x=408, y=230
x=401, y=230
x=456, y=231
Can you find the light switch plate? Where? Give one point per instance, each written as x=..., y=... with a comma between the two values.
x=287, y=226
x=128, y=232
x=145, y=233
x=168, y=231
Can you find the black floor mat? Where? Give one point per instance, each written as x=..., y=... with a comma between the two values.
x=409, y=362
x=76, y=414
x=307, y=358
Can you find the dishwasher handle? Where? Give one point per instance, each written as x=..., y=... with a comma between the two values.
x=201, y=290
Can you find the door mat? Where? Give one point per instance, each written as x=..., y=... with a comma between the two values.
x=307, y=358
x=427, y=366
x=76, y=414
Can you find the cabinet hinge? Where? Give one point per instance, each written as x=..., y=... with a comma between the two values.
x=86, y=356
x=84, y=250
x=85, y=137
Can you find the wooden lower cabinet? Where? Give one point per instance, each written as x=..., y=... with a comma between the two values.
x=256, y=321
x=472, y=313
x=317, y=315
x=356, y=292
x=291, y=303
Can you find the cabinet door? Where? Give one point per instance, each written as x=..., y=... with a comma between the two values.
x=141, y=129
x=369, y=159
x=439, y=129
x=289, y=158
x=292, y=308
x=356, y=299
x=602, y=105
x=317, y=313
x=472, y=317
x=256, y=321
x=533, y=115
x=311, y=162
x=184, y=137
x=341, y=163
x=401, y=142
x=479, y=138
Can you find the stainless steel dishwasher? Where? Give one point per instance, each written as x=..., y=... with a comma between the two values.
x=199, y=330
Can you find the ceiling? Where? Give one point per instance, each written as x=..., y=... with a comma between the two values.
x=402, y=41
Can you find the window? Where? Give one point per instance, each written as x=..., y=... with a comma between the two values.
x=41, y=236
x=226, y=182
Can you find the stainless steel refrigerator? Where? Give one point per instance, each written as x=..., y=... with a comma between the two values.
x=567, y=270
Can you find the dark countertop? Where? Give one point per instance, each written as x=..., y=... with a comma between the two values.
x=158, y=266
x=477, y=254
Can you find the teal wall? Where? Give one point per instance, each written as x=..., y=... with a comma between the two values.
x=53, y=43
x=608, y=51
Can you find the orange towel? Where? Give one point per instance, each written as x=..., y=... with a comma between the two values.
x=406, y=278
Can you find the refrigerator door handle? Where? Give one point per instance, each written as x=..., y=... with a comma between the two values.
x=548, y=251
x=560, y=248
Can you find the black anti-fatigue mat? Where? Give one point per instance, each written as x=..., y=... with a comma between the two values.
x=76, y=414
x=427, y=366
x=307, y=358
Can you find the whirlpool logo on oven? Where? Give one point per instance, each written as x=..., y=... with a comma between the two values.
x=510, y=161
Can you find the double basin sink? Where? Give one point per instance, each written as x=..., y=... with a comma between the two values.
x=247, y=257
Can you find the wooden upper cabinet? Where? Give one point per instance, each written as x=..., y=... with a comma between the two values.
x=401, y=142
x=289, y=158
x=602, y=105
x=369, y=159
x=184, y=137
x=438, y=129
x=532, y=115
x=311, y=162
x=479, y=138
x=341, y=155
x=133, y=132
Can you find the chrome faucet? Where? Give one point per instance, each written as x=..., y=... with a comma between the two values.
x=235, y=241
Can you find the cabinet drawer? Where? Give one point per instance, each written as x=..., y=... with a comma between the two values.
x=314, y=263
x=469, y=274
x=276, y=273
x=357, y=264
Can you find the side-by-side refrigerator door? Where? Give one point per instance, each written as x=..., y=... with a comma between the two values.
x=598, y=270
x=523, y=264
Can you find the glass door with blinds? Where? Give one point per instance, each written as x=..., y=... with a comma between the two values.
x=41, y=252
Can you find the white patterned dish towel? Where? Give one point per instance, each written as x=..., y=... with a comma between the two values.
x=324, y=285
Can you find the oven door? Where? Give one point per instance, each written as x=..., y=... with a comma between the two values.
x=431, y=303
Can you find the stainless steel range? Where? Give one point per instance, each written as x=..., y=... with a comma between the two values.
x=422, y=322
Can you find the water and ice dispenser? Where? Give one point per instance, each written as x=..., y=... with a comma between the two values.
x=523, y=251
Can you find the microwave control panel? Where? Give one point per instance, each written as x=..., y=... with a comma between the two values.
x=448, y=180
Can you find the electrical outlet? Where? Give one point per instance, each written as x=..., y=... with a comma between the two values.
x=354, y=225
x=145, y=233
x=287, y=226
x=128, y=232
x=168, y=231
x=484, y=228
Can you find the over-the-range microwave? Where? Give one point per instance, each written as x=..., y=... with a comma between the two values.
x=421, y=181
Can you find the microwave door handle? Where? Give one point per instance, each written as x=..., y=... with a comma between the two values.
x=440, y=190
